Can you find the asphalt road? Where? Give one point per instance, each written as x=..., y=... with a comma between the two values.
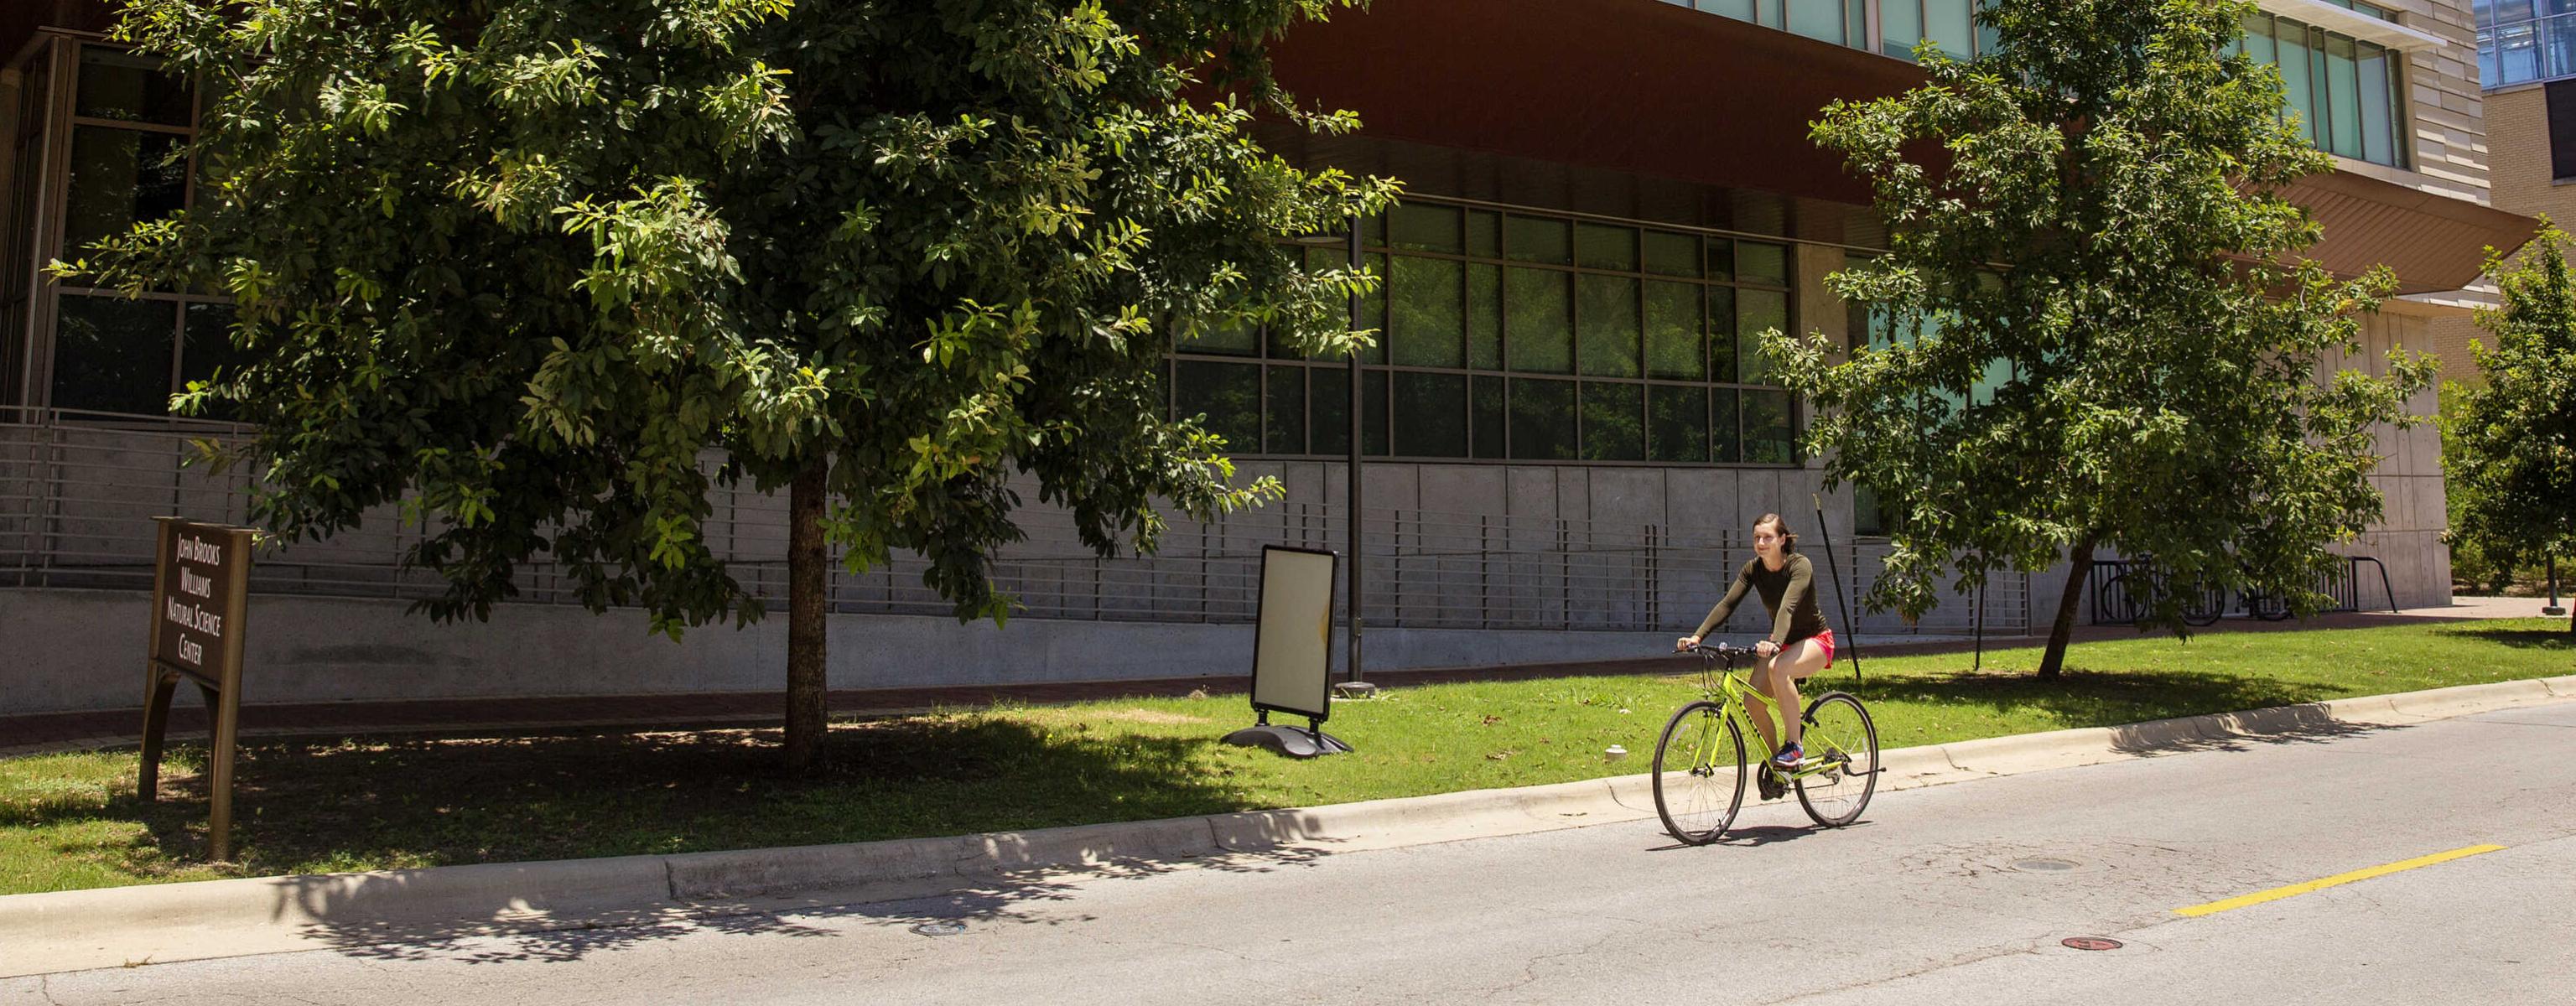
x=1957, y=893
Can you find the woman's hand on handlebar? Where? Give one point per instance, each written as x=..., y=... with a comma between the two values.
x=1765, y=648
x=1684, y=644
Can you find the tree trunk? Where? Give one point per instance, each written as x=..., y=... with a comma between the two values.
x=806, y=569
x=2080, y=569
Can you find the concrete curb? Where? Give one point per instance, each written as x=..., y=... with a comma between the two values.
x=107, y=927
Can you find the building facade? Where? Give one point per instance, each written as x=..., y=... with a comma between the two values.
x=1569, y=431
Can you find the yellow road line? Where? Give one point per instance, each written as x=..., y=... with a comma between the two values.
x=2278, y=893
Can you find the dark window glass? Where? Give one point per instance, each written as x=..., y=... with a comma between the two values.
x=1676, y=423
x=1756, y=312
x=113, y=355
x=1721, y=258
x=1427, y=228
x=124, y=85
x=1606, y=312
x=1601, y=246
x=1373, y=409
x=2561, y=96
x=1484, y=234
x=1485, y=317
x=1373, y=308
x=1428, y=322
x=1286, y=424
x=1721, y=334
x=1231, y=340
x=1538, y=239
x=1769, y=434
x=1328, y=410
x=1756, y=262
x=1614, y=417
x=1675, y=345
x=1229, y=394
x=1670, y=254
x=1488, y=419
x=1430, y=415
x=1542, y=420
x=1539, y=327
x=1726, y=435
x=1868, y=516
x=206, y=350
x=120, y=177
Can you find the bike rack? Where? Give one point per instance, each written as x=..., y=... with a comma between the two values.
x=2114, y=605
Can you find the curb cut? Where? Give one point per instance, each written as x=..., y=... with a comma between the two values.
x=109, y=927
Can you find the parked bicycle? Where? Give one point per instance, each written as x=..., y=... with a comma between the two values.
x=1700, y=763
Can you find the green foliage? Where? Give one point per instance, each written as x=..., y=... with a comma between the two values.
x=2510, y=442
x=2092, y=211
x=536, y=262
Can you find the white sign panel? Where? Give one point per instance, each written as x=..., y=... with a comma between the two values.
x=1293, y=650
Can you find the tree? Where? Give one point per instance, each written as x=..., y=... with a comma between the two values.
x=2512, y=467
x=2089, y=219
x=533, y=261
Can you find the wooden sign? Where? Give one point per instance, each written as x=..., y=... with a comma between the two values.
x=200, y=590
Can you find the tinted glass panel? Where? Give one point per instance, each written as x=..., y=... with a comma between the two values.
x=119, y=178
x=1538, y=321
x=1428, y=321
x=1484, y=234
x=1536, y=239
x=1726, y=437
x=1229, y=394
x=1600, y=246
x=1373, y=308
x=1488, y=418
x=1328, y=410
x=1675, y=348
x=1614, y=422
x=2343, y=93
x=1721, y=334
x=1721, y=258
x=123, y=85
x=2378, y=126
x=1542, y=419
x=1286, y=425
x=1669, y=254
x=1427, y=228
x=1607, y=313
x=1431, y=415
x=1900, y=26
x=113, y=354
x=1756, y=312
x=1952, y=23
x=1238, y=340
x=1769, y=436
x=1756, y=262
x=1485, y=317
x=1373, y=410
x=1676, y=423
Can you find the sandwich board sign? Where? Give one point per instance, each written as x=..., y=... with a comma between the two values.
x=200, y=593
x=1292, y=652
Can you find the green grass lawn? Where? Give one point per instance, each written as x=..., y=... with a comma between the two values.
x=72, y=821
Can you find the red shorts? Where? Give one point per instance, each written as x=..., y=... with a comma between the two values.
x=1826, y=640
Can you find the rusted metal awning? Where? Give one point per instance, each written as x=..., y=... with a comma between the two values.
x=2432, y=242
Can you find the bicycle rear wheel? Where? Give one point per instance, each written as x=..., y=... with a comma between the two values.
x=1840, y=732
x=1699, y=773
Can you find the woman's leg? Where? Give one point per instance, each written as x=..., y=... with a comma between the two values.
x=1780, y=681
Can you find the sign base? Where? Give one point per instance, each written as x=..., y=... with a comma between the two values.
x=1354, y=690
x=1289, y=741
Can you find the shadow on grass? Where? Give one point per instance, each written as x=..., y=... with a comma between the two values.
x=2085, y=697
x=309, y=807
x=2529, y=639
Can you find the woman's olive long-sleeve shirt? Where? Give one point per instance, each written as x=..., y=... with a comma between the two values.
x=1789, y=592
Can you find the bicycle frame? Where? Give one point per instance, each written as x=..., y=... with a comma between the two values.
x=1729, y=687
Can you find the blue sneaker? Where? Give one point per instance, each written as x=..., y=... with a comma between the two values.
x=1790, y=757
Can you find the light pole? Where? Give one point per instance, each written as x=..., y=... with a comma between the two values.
x=1353, y=686
x=2554, y=609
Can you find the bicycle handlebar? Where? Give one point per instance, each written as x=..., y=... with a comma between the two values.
x=1720, y=651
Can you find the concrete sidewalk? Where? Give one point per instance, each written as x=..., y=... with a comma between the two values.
x=39, y=733
x=109, y=927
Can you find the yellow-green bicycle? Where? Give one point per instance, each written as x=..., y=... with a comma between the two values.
x=1700, y=766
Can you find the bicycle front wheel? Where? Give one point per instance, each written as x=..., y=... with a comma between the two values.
x=1699, y=773
x=1838, y=732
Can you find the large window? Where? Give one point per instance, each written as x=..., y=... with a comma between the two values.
x=117, y=159
x=2521, y=41
x=1524, y=336
x=2348, y=95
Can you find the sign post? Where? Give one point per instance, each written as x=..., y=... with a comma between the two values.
x=200, y=590
x=1292, y=653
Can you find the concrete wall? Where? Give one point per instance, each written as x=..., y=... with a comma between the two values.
x=83, y=650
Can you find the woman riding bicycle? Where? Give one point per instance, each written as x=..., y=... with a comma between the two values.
x=1800, y=643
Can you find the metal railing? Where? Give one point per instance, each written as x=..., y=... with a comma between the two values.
x=77, y=494
x=2117, y=601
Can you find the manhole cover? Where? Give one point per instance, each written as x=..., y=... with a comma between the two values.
x=2091, y=943
x=2043, y=864
x=940, y=928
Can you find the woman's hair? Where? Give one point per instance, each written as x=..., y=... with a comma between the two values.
x=1788, y=538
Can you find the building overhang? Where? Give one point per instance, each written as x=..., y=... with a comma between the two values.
x=2347, y=21
x=2434, y=243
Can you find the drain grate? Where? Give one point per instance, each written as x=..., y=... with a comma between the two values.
x=940, y=928
x=2091, y=942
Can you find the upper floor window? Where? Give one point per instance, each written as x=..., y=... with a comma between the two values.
x=2348, y=94
x=2521, y=41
